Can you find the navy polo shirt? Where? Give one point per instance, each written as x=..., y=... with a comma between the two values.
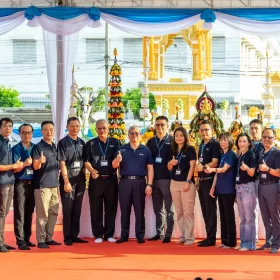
x=95, y=150
x=183, y=163
x=226, y=181
x=250, y=160
x=272, y=160
x=19, y=151
x=47, y=175
x=206, y=153
x=6, y=177
x=160, y=149
x=134, y=162
x=71, y=151
x=257, y=150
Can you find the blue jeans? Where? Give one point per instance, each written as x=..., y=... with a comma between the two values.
x=246, y=202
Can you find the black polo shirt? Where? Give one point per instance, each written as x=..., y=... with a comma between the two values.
x=249, y=158
x=47, y=175
x=134, y=162
x=272, y=159
x=6, y=158
x=257, y=150
x=183, y=165
x=94, y=154
x=160, y=152
x=206, y=153
x=71, y=151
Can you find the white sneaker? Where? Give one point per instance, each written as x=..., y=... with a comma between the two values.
x=237, y=248
x=243, y=249
x=98, y=240
x=221, y=246
x=181, y=240
x=111, y=239
x=188, y=243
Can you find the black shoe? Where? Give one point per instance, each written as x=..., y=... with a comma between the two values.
x=155, y=238
x=201, y=241
x=9, y=247
x=52, y=242
x=206, y=244
x=79, y=240
x=24, y=248
x=122, y=240
x=264, y=247
x=30, y=244
x=141, y=241
x=3, y=249
x=42, y=245
x=68, y=242
x=166, y=240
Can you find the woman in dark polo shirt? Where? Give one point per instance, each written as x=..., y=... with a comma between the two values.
x=246, y=192
x=182, y=163
x=224, y=188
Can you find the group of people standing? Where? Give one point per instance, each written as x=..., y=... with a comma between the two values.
x=34, y=176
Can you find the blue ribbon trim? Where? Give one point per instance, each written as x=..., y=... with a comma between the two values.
x=208, y=15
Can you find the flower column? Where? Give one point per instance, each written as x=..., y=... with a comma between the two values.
x=115, y=103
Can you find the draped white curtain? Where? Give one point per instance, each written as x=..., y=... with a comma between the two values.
x=11, y=22
x=60, y=54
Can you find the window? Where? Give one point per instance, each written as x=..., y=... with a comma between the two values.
x=95, y=51
x=132, y=50
x=24, y=52
x=218, y=49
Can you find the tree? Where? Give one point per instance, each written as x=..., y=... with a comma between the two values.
x=132, y=100
x=9, y=97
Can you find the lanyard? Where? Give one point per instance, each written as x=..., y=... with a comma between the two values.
x=179, y=156
x=8, y=143
x=76, y=149
x=158, y=144
x=268, y=154
x=202, y=146
x=239, y=162
x=104, y=152
x=256, y=147
x=222, y=159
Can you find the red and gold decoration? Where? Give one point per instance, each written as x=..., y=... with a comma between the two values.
x=115, y=103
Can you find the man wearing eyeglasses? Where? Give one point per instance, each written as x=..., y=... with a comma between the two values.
x=24, y=201
x=103, y=183
x=269, y=190
x=136, y=163
x=46, y=172
x=7, y=178
x=160, y=146
x=72, y=181
x=209, y=155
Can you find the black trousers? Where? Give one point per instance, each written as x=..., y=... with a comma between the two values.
x=103, y=192
x=132, y=192
x=24, y=204
x=209, y=209
x=72, y=206
x=227, y=217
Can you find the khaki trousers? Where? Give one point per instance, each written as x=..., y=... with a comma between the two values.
x=184, y=206
x=47, y=203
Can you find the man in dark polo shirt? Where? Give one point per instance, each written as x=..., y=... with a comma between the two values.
x=7, y=178
x=46, y=172
x=103, y=184
x=269, y=188
x=136, y=162
x=72, y=181
x=209, y=155
x=160, y=146
x=24, y=201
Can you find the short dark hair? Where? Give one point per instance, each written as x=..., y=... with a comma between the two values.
x=244, y=134
x=228, y=136
x=46, y=122
x=25, y=124
x=269, y=128
x=72, y=119
x=206, y=122
x=256, y=121
x=164, y=118
x=186, y=143
x=7, y=120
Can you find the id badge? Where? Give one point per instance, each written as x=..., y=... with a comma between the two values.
x=178, y=172
x=158, y=160
x=263, y=176
x=77, y=164
x=201, y=159
x=103, y=163
x=29, y=171
x=237, y=179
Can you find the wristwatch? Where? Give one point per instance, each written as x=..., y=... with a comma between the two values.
x=188, y=181
x=150, y=185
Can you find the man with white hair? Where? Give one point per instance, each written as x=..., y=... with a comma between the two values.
x=136, y=163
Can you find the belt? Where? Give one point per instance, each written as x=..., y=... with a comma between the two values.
x=104, y=176
x=25, y=181
x=133, y=177
x=205, y=178
x=268, y=182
